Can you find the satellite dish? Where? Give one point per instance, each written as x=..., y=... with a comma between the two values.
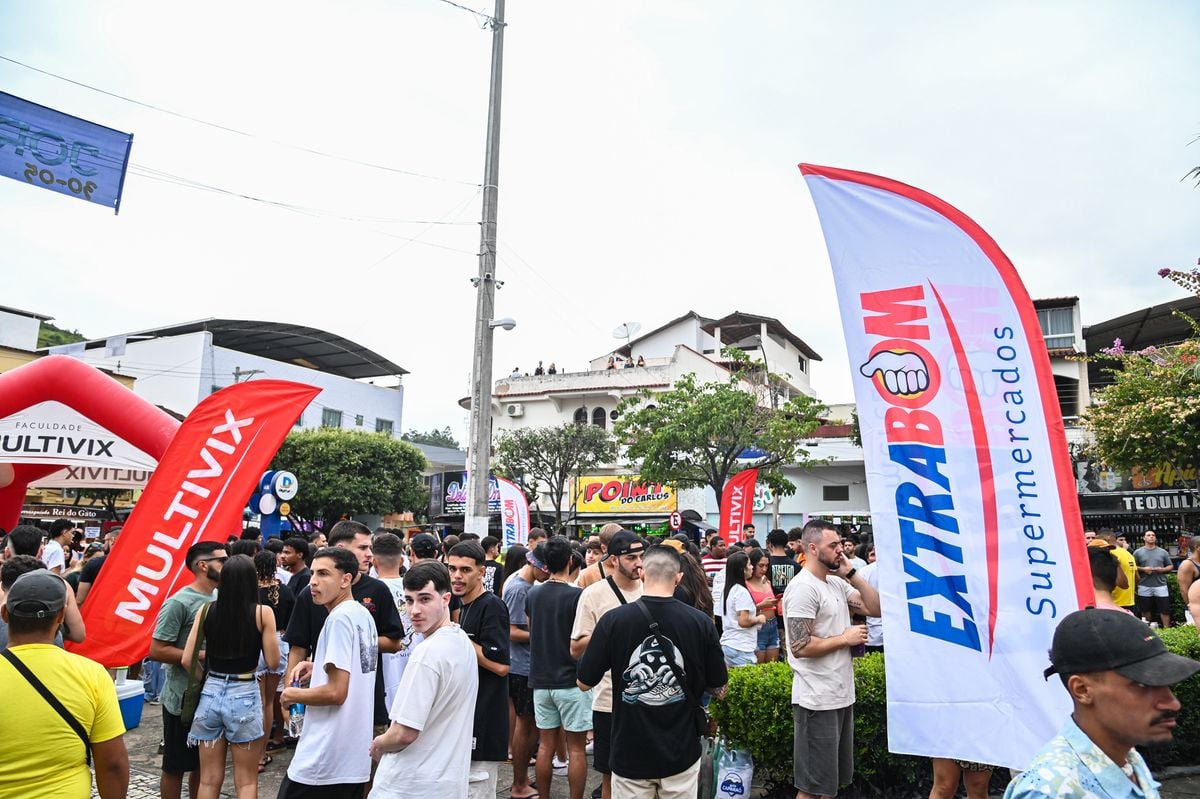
x=627, y=330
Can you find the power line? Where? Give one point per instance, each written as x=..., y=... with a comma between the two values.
x=235, y=131
x=484, y=18
x=178, y=180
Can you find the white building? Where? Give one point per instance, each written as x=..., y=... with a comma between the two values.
x=179, y=365
x=688, y=344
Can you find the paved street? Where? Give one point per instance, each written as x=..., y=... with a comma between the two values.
x=144, y=761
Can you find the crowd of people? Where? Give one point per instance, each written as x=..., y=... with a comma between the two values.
x=404, y=665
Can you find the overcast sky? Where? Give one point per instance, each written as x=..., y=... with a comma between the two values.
x=648, y=162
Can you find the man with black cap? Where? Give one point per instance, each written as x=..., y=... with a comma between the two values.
x=424, y=546
x=1118, y=674
x=621, y=586
x=61, y=712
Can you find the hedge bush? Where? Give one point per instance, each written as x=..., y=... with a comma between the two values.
x=756, y=714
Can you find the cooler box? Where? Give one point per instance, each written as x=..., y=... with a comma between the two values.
x=131, y=698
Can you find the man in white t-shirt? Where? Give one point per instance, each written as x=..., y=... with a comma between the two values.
x=54, y=555
x=816, y=607
x=388, y=553
x=332, y=758
x=426, y=752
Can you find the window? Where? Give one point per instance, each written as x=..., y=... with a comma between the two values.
x=1058, y=327
x=358, y=420
x=331, y=418
x=600, y=418
x=383, y=426
x=581, y=417
x=300, y=420
x=803, y=365
x=835, y=493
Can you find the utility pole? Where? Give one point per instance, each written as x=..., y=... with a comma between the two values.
x=480, y=444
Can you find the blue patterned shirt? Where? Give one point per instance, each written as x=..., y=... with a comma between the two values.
x=1071, y=766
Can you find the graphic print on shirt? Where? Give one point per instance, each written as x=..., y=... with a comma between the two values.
x=368, y=652
x=649, y=678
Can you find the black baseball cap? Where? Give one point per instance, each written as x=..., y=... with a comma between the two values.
x=625, y=543
x=1097, y=639
x=424, y=545
x=37, y=595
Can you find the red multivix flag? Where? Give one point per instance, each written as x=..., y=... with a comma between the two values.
x=197, y=494
x=737, y=504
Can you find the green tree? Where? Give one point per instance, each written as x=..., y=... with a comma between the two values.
x=433, y=438
x=105, y=497
x=693, y=434
x=51, y=336
x=1150, y=414
x=550, y=456
x=351, y=472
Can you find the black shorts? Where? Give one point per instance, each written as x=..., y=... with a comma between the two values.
x=1154, y=604
x=521, y=694
x=298, y=790
x=178, y=757
x=601, y=741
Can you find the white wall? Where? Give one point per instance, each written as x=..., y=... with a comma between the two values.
x=351, y=397
x=169, y=371
x=179, y=371
x=19, y=331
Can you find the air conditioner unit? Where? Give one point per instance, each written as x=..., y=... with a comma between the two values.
x=514, y=409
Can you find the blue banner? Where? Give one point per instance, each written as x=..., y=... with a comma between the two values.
x=66, y=154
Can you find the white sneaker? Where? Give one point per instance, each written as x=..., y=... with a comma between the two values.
x=560, y=766
x=590, y=748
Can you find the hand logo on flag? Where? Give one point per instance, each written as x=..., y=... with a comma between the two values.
x=903, y=373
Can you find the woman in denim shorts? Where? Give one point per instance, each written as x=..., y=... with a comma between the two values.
x=759, y=584
x=279, y=598
x=236, y=630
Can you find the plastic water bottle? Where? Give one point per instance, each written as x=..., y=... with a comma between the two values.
x=295, y=716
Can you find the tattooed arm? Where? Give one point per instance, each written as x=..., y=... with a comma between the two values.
x=803, y=644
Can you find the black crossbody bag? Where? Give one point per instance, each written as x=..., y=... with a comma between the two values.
x=699, y=714
x=52, y=700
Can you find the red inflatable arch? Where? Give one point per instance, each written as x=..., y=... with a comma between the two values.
x=88, y=391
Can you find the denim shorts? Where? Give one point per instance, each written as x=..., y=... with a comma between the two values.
x=283, y=653
x=768, y=636
x=229, y=708
x=736, y=657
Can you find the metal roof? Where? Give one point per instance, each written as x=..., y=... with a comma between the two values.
x=38, y=316
x=280, y=341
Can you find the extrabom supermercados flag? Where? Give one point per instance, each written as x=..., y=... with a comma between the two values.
x=973, y=505
x=514, y=513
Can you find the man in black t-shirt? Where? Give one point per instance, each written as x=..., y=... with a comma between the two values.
x=294, y=560
x=308, y=618
x=655, y=736
x=493, y=571
x=557, y=704
x=483, y=616
x=781, y=568
x=91, y=569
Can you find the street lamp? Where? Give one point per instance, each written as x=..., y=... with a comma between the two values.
x=475, y=518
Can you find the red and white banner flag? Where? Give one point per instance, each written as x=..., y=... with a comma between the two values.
x=514, y=513
x=973, y=506
x=737, y=504
x=197, y=493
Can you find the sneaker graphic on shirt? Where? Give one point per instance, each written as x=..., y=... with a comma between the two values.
x=649, y=678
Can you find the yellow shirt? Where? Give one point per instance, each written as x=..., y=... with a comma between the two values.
x=1124, y=596
x=41, y=757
